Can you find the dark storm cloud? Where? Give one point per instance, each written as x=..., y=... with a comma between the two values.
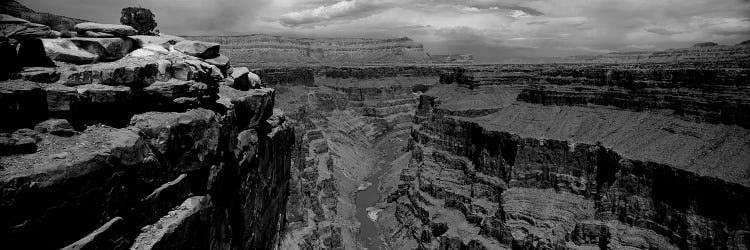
x=332, y=12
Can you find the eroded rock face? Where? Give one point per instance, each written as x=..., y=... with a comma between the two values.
x=139, y=153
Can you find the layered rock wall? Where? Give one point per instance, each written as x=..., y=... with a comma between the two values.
x=151, y=151
x=576, y=156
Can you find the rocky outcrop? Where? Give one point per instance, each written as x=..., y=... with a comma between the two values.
x=259, y=50
x=149, y=152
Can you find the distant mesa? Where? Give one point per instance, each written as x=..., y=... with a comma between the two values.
x=744, y=43
x=259, y=49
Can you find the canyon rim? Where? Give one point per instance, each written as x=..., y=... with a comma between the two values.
x=374, y=124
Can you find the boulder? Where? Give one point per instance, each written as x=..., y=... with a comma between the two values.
x=244, y=79
x=19, y=29
x=16, y=144
x=255, y=82
x=198, y=48
x=65, y=50
x=59, y=127
x=197, y=70
x=114, y=29
x=108, y=49
x=221, y=61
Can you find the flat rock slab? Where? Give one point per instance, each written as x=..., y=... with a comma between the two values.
x=220, y=61
x=107, y=49
x=114, y=29
x=65, y=50
x=198, y=49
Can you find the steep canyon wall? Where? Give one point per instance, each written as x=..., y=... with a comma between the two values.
x=577, y=156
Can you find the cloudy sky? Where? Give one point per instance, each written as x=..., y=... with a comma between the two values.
x=489, y=29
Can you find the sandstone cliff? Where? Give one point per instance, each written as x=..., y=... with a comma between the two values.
x=138, y=142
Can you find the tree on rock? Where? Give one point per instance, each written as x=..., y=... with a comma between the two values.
x=141, y=19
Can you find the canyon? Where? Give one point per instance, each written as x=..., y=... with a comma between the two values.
x=268, y=142
x=521, y=156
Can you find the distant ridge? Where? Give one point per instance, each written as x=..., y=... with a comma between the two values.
x=267, y=49
x=738, y=54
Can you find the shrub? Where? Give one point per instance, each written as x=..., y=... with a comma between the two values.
x=139, y=18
